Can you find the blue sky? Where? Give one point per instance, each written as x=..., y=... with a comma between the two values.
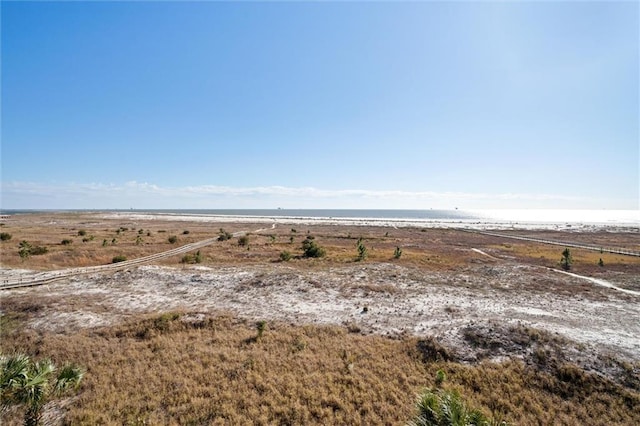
x=320, y=105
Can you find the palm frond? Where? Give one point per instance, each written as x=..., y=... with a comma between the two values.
x=446, y=408
x=15, y=370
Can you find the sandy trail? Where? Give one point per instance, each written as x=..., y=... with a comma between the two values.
x=484, y=254
x=599, y=282
x=596, y=281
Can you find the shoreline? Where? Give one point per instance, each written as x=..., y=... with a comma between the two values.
x=472, y=224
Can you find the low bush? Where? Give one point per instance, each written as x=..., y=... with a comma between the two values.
x=173, y=239
x=192, y=258
x=311, y=248
x=285, y=256
x=243, y=241
x=397, y=253
x=224, y=235
x=447, y=407
x=185, y=232
x=5, y=236
x=24, y=249
x=119, y=258
x=82, y=233
x=37, y=250
x=66, y=242
x=362, y=250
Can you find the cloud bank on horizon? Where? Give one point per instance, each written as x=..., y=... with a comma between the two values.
x=142, y=195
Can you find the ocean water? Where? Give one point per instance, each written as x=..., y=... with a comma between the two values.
x=626, y=217
x=329, y=213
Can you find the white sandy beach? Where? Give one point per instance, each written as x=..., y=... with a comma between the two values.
x=573, y=220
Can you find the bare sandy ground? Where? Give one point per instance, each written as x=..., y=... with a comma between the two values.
x=378, y=298
x=490, y=292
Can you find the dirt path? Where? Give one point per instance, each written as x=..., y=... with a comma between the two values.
x=615, y=250
x=599, y=282
x=484, y=254
x=596, y=281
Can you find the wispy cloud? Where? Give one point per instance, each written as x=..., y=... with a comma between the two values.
x=148, y=195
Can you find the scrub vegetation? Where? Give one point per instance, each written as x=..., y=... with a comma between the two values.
x=208, y=366
x=191, y=368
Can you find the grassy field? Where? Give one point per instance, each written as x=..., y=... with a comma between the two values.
x=431, y=249
x=211, y=367
x=182, y=368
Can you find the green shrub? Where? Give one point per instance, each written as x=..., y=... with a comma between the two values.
x=119, y=258
x=24, y=249
x=285, y=256
x=173, y=239
x=82, y=233
x=397, y=253
x=224, y=235
x=311, y=248
x=446, y=407
x=566, y=260
x=362, y=250
x=37, y=250
x=243, y=241
x=261, y=326
x=32, y=384
x=66, y=242
x=5, y=236
x=192, y=258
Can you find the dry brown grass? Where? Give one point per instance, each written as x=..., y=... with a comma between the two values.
x=432, y=249
x=192, y=368
x=584, y=261
x=429, y=249
x=188, y=368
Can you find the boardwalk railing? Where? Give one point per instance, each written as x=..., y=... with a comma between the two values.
x=52, y=276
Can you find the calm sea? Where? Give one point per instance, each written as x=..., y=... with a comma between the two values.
x=630, y=217
x=322, y=213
